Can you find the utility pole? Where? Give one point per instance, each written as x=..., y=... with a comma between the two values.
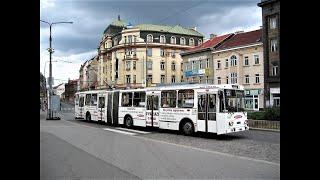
x=50, y=49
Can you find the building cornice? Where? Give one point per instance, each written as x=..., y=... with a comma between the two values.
x=263, y=3
x=237, y=47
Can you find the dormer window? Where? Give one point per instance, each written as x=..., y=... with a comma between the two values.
x=162, y=39
x=149, y=38
x=191, y=42
x=182, y=41
x=173, y=40
x=199, y=42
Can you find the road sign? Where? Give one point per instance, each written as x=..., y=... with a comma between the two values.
x=55, y=101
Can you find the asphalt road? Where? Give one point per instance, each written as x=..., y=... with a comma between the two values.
x=78, y=149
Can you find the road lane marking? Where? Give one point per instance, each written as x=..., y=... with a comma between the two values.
x=118, y=131
x=210, y=151
x=133, y=130
x=194, y=148
x=57, y=126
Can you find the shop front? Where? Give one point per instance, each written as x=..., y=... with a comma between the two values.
x=253, y=99
x=275, y=96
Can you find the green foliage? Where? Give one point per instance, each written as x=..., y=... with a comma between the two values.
x=256, y=115
x=272, y=113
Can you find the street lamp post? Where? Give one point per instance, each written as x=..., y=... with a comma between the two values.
x=49, y=115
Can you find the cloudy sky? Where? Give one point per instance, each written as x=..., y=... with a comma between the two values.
x=78, y=42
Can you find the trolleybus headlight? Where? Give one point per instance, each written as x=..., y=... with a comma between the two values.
x=230, y=123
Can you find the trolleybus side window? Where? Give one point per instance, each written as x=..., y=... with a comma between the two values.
x=221, y=101
x=168, y=99
x=77, y=99
x=101, y=102
x=81, y=101
x=139, y=99
x=88, y=97
x=186, y=98
x=93, y=100
x=126, y=99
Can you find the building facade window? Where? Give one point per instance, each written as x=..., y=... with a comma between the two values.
x=193, y=65
x=191, y=42
x=219, y=80
x=162, y=65
x=234, y=78
x=162, y=52
x=207, y=79
x=173, y=66
x=207, y=63
x=125, y=39
x=149, y=38
x=256, y=59
x=247, y=79
x=227, y=79
x=173, y=40
x=149, y=52
x=149, y=65
x=246, y=61
x=227, y=63
x=257, y=78
x=134, y=79
x=219, y=65
x=149, y=78
x=134, y=65
x=274, y=70
x=181, y=78
x=274, y=45
x=162, y=39
x=273, y=22
x=181, y=66
x=162, y=80
x=200, y=64
x=134, y=38
x=173, y=79
x=128, y=79
x=115, y=41
x=128, y=65
x=200, y=79
x=233, y=60
x=130, y=39
x=182, y=41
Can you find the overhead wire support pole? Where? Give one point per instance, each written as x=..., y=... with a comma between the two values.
x=50, y=113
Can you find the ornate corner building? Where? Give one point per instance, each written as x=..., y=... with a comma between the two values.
x=143, y=55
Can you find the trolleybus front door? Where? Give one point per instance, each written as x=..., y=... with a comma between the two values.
x=152, y=113
x=81, y=106
x=101, y=107
x=206, y=112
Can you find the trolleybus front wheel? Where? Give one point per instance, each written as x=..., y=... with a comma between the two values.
x=187, y=128
x=128, y=122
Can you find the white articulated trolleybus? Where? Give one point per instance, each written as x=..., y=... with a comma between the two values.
x=188, y=108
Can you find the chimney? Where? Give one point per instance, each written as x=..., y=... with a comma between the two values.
x=238, y=32
x=212, y=36
x=118, y=17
